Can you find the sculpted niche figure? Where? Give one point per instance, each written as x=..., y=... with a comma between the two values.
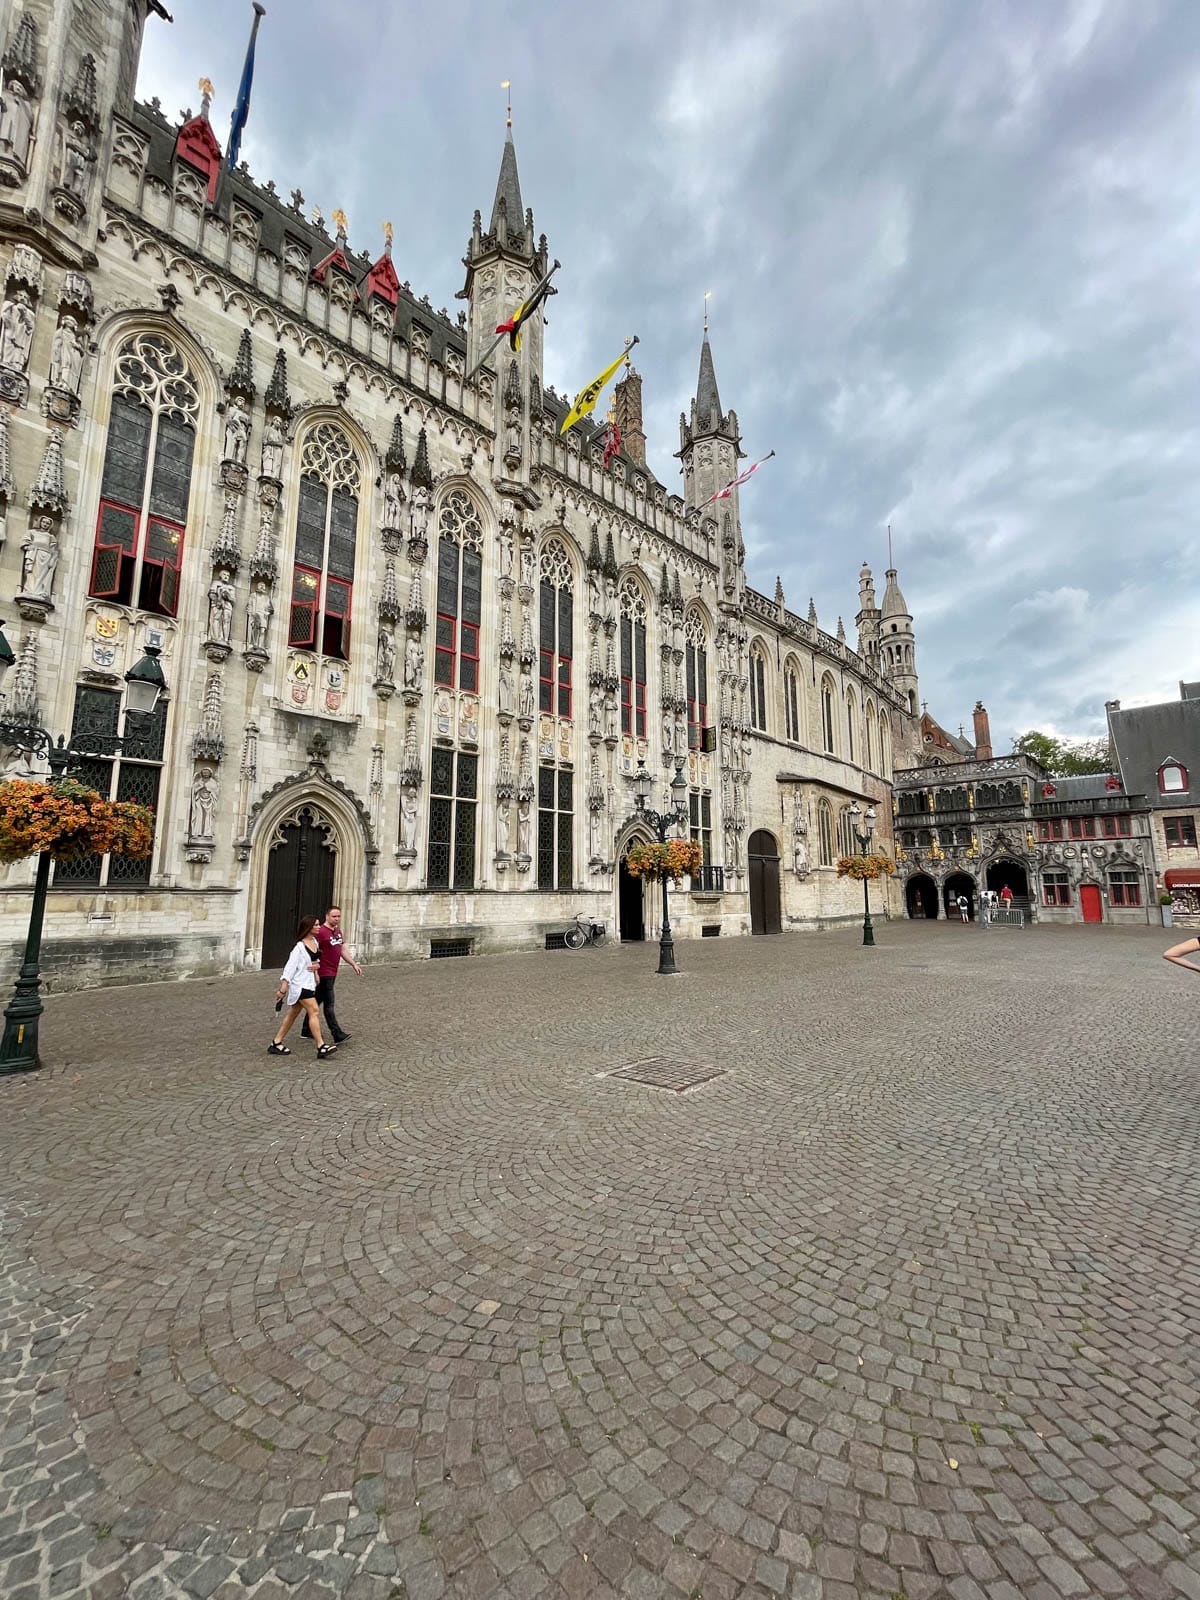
x=204, y=803
x=259, y=611
x=16, y=332
x=385, y=663
x=220, y=609
x=414, y=661
x=66, y=357
x=39, y=551
x=272, y=449
x=408, y=819
x=16, y=123
x=237, y=431
x=392, y=498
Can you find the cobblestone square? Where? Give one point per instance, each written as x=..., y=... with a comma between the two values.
x=905, y=1302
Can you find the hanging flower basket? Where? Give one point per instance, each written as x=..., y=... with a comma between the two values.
x=678, y=858
x=69, y=820
x=865, y=867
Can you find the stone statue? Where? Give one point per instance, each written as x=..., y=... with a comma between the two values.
x=507, y=687
x=76, y=159
x=513, y=447
x=220, y=609
x=16, y=331
x=503, y=824
x=385, y=659
x=259, y=612
x=506, y=553
x=525, y=705
x=408, y=818
x=392, y=500
x=527, y=563
x=800, y=839
x=595, y=594
x=39, y=559
x=596, y=710
x=524, y=826
x=237, y=431
x=420, y=512
x=594, y=835
x=414, y=662
x=204, y=804
x=272, y=449
x=66, y=357
x=16, y=122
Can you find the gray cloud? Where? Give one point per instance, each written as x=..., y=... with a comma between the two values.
x=953, y=253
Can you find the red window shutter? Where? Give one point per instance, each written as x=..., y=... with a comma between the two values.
x=306, y=596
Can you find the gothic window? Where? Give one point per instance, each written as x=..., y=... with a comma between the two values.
x=326, y=535
x=700, y=821
x=633, y=660
x=758, y=690
x=851, y=715
x=885, y=747
x=827, y=735
x=791, y=704
x=459, y=593
x=847, y=843
x=453, y=801
x=133, y=775
x=696, y=666
x=556, y=828
x=825, y=832
x=147, y=476
x=555, y=648
x=869, y=737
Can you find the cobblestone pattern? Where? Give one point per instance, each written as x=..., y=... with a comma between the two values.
x=905, y=1303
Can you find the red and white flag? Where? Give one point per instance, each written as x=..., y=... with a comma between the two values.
x=736, y=483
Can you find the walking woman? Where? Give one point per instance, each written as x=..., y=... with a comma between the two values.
x=298, y=986
x=1178, y=953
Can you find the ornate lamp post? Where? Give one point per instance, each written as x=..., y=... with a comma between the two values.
x=863, y=838
x=19, y=1045
x=662, y=822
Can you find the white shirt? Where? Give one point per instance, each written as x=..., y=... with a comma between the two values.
x=298, y=974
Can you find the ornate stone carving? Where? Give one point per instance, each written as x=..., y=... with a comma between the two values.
x=208, y=743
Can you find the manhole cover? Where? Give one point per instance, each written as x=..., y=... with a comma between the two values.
x=661, y=1072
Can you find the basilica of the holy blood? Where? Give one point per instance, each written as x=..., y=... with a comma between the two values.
x=416, y=642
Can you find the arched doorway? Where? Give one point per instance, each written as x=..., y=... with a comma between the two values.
x=301, y=877
x=920, y=895
x=959, y=883
x=762, y=855
x=1012, y=874
x=631, y=905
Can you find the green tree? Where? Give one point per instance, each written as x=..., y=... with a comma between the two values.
x=1065, y=758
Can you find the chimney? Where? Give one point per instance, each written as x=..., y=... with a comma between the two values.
x=983, y=733
x=627, y=411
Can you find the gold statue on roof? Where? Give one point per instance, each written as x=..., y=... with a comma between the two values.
x=340, y=221
x=388, y=231
x=206, y=88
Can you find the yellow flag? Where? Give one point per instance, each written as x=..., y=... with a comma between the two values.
x=585, y=400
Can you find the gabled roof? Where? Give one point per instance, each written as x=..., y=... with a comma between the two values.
x=1143, y=737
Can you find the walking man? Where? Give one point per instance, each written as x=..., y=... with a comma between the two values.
x=329, y=936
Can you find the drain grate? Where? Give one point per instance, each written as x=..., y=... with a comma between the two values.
x=449, y=947
x=710, y=930
x=556, y=941
x=663, y=1072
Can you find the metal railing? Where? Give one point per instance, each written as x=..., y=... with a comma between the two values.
x=709, y=880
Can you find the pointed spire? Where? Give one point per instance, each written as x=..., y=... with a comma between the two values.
x=812, y=611
x=414, y=613
x=7, y=486
x=23, y=700
x=664, y=589
x=508, y=192
x=525, y=775
x=779, y=593
x=79, y=102
x=241, y=378
x=708, y=401
x=508, y=644
x=394, y=459
x=49, y=492
x=841, y=631
x=528, y=653
x=422, y=476
x=611, y=568
x=20, y=59
x=504, y=772
x=595, y=671
x=276, y=397
x=208, y=744
x=677, y=593
x=410, y=765
x=894, y=604
x=389, y=597
x=595, y=561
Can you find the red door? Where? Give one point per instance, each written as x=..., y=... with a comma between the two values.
x=1089, y=899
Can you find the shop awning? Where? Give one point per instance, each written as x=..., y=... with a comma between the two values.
x=1182, y=877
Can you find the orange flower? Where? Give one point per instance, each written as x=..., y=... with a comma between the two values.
x=868, y=867
x=676, y=859
x=69, y=820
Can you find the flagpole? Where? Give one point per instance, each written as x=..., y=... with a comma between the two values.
x=240, y=105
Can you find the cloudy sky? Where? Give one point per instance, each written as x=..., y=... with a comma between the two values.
x=954, y=254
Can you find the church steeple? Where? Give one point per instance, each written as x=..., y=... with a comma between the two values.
x=507, y=211
x=707, y=410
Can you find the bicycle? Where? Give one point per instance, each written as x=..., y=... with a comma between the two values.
x=583, y=931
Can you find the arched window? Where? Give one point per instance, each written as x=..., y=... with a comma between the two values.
x=791, y=703
x=326, y=538
x=885, y=746
x=825, y=831
x=1172, y=777
x=147, y=477
x=827, y=736
x=555, y=630
x=868, y=736
x=633, y=659
x=696, y=653
x=459, y=593
x=758, y=690
x=851, y=717
x=847, y=843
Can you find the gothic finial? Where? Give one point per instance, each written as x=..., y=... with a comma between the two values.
x=841, y=631
x=389, y=599
x=414, y=612
x=7, y=486
x=664, y=588
x=388, y=231
x=341, y=222
x=23, y=699
x=422, y=476
x=594, y=560
x=20, y=59
x=49, y=492
x=79, y=102
x=779, y=592
x=241, y=378
x=611, y=569
x=394, y=459
x=410, y=766
x=276, y=397
x=504, y=775
x=208, y=744
x=206, y=94
x=812, y=611
x=506, y=84
x=677, y=594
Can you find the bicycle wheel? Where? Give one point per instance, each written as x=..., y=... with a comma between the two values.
x=575, y=938
x=599, y=936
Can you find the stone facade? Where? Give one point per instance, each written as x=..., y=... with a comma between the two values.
x=416, y=641
x=1157, y=749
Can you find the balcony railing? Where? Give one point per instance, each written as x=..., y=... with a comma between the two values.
x=709, y=880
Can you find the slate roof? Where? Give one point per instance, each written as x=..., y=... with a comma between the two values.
x=1143, y=737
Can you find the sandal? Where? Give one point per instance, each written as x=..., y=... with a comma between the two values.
x=274, y=1049
x=325, y=1050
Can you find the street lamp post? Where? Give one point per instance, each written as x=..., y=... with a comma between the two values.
x=19, y=1044
x=863, y=838
x=662, y=822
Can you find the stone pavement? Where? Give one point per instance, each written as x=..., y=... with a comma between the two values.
x=903, y=1303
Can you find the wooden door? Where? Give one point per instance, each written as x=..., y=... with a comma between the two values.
x=1089, y=900
x=300, y=878
x=762, y=858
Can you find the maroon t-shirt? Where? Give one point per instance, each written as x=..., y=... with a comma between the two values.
x=331, y=950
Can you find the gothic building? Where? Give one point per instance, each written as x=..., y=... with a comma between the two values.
x=416, y=643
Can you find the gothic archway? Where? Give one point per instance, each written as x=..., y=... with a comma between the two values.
x=632, y=904
x=921, y=897
x=1012, y=874
x=301, y=878
x=959, y=883
x=762, y=859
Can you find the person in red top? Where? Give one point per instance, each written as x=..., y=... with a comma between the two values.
x=329, y=936
x=1006, y=899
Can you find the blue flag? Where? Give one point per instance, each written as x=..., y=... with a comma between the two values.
x=242, y=108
